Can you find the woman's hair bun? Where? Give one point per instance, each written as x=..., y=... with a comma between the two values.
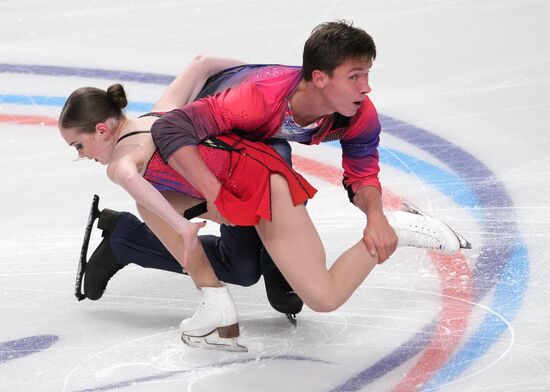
x=117, y=95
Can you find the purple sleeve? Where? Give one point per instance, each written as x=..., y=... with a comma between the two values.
x=242, y=108
x=360, y=150
x=176, y=129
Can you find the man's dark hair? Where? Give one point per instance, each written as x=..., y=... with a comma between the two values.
x=332, y=43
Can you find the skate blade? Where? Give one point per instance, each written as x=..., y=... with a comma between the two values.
x=409, y=207
x=464, y=243
x=292, y=318
x=82, y=262
x=223, y=344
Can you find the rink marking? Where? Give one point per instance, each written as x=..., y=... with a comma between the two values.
x=219, y=365
x=28, y=120
x=456, y=282
x=500, y=266
x=333, y=175
x=40, y=100
x=167, y=374
x=495, y=262
x=22, y=347
x=81, y=72
x=456, y=285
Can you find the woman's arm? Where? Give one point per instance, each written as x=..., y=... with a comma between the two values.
x=124, y=173
x=187, y=85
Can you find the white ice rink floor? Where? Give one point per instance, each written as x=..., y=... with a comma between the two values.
x=462, y=88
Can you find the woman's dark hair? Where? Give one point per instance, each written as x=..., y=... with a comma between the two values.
x=332, y=43
x=88, y=106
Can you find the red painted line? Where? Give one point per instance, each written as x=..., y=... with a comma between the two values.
x=454, y=272
x=28, y=120
x=333, y=175
x=456, y=308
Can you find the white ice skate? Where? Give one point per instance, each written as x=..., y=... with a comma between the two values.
x=215, y=324
x=415, y=228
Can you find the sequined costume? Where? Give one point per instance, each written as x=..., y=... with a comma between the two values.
x=243, y=168
x=252, y=101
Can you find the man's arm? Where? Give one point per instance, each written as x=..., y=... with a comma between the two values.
x=189, y=164
x=378, y=235
x=361, y=168
x=178, y=133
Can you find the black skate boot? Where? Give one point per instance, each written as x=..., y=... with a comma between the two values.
x=103, y=264
x=279, y=293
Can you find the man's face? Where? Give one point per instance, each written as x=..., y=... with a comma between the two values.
x=348, y=86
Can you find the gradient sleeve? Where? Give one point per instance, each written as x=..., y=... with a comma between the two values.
x=360, y=150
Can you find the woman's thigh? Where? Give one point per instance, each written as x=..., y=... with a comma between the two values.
x=179, y=201
x=294, y=244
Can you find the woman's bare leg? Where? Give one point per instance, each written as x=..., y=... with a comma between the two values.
x=199, y=268
x=217, y=311
x=294, y=244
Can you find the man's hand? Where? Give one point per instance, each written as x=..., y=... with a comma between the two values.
x=380, y=237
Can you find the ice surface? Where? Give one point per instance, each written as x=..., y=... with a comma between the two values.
x=462, y=89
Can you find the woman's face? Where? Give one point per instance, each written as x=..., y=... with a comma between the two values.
x=98, y=145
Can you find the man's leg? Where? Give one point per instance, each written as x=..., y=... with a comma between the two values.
x=102, y=264
x=238, y=246
x=235, y=255
x=127, y=240
x=279, y=293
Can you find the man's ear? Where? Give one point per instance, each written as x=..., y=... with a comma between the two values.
x=319, y=78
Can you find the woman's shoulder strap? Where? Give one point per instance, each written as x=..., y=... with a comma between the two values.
x=131, y=134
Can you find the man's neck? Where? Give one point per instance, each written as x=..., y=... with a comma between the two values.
x=307, y=104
